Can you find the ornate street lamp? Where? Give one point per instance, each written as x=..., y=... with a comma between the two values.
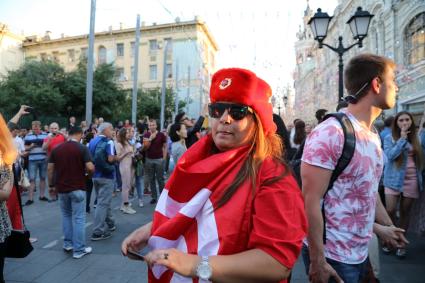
x=359, y=25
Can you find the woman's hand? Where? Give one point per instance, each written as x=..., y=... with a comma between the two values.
x=136, y=240
x=180, y=262
x=404, y=131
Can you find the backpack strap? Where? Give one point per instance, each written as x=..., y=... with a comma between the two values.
x=348, y=148
x=345, y=158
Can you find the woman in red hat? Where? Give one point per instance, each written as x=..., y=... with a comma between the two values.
x=231, y=211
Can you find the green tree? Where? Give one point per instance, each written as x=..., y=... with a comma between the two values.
x=35, y=83
x=149, y=103
x=109, y=99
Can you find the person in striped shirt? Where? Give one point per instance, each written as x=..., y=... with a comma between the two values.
x=36, y=160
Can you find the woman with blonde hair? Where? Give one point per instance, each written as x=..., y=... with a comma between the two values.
x=8, y=154
x=231, y=211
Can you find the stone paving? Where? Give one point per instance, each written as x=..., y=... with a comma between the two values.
x=48, y=263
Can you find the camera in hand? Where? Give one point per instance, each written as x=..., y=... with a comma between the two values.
x=32, y=111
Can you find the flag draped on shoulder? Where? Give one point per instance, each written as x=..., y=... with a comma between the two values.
x=184, y=217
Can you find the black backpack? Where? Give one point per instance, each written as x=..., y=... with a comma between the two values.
x=347, y=150
x=343, y=161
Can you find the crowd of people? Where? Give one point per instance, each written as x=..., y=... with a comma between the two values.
x=229, y=204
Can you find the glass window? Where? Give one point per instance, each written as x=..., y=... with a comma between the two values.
x=169, y=43
x=71, y=55
x=169, y=71
x=120, y=49
x=415, y=40
x=119, y=74
x=102, y=55
x=153, y=45
x=153, y=72
x=133, y=51
x=84, y=52
x=132, y=73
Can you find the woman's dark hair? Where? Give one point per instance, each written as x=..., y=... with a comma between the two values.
x=300, y=133
x=179, y=117
x=88, y=137
x=122, y=136
x=412, y=137
x=174, y=128
x=282, y=132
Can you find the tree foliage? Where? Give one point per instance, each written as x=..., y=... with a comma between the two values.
x=45, y=86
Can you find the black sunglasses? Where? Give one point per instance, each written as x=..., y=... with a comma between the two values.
x=236, y=111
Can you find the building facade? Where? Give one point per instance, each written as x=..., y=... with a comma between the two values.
x=397, y=31
x=185, y=50
x=11, y=54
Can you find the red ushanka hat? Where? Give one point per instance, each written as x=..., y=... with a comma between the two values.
x=244, y=87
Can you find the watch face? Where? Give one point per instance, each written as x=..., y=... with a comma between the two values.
x=204, y=271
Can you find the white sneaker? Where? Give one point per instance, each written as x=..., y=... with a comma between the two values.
x=86, y=251
x=141, y=203
x=127, y=209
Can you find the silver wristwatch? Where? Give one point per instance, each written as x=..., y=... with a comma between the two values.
x=203, y=270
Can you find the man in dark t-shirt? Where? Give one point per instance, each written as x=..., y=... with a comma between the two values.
x=68, y=165
x=155, y=145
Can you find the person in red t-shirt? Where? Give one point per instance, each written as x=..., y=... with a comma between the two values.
x=54, y=139
x=231, y=211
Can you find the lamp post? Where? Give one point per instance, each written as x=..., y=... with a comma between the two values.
x=359, y=25
x=163, y=88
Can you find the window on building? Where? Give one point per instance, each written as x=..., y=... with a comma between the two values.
x=43, y=57
x=84, y=52
x=120, y=49
x=132, y=73
x=102, y=55
x=415, y=40
x=169, y=42
x=169, y=71
x=153, y=72
x=56, y=56
x=133, y=51
x=71, y=55
x=153, y=45
x=119, y=74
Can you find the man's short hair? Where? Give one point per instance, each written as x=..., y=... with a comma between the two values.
x=152, y=121
x=179, y=117
x=75, y=130
x=104, y=126
x=36, y=122
x=12, y=126
x=361, y=70
x=320, y=114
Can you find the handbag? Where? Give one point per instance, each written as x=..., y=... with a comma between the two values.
x=18, y=243
x=24, y=182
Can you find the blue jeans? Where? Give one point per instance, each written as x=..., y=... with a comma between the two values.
x=103, y=214
x=139, y=187
x=155, y=173
x=41, y=165
x=350, y=273
x=73, y=206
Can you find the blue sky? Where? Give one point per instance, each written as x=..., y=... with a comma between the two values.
x=258, y=35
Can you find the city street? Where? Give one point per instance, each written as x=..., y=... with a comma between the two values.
x=48, y=263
